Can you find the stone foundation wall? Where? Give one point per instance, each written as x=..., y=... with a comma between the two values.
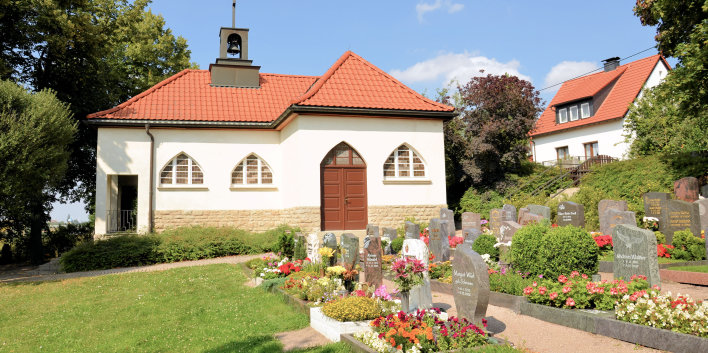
x=307, y=218
x=393, y=216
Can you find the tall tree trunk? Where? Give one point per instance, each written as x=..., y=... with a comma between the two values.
x=36, y=254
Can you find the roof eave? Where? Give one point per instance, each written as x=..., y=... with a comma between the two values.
x=177, y=123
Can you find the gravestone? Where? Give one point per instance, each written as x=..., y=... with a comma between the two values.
x=438, y=240
x=313, y=246
x=496, y=217
x=526, y=218
x=635, y=253
x=523, y=211
x=682, y=215
x=603, y=207
x=420, y=297
x=615, y=218
x=350, y=250
x=389, y=234
x=329, y=240
x=655, y=206
x=412, y=230
x=471, y=234
x=448, y=215
x=540, y=210
x=372, y=231
x=686, y=189
x=510, y=212
x=470, y=284
x=703, y=217
x=372, y=262
x=571, y=213
x=507, y=230
x=471, y=220
x=704, y=191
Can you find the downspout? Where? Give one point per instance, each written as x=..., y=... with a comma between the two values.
x=152, y=177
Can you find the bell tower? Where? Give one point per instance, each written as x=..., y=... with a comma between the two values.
x=232, y=67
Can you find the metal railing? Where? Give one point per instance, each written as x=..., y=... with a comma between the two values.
x=121, y=221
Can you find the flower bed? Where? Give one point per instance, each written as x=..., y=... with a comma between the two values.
x=441, y=271
x=679, y=314
x=578, y=291
x=424, y=331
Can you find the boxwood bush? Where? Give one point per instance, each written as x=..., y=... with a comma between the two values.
x=687, y=246
x=551, y=252
x=180, y=244
x=484, y=244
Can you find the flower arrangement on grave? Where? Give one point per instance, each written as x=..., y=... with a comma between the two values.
x=454, y=241
x=423, y=331
x=425, y=235
x=578, y=291
x=335, y=271
x=679, y=314
x=387, y=260
x=271, y=267
x=442, y=271
x=313, y=288
x=326, y=253
x=408, y=273
x=651, y=223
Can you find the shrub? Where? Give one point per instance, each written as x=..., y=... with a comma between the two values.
x=397, y=245
x=508, y=282
x=687, y=246
x=65, y=237
x=480, y=202
x=286, y=244
x=299, y=252
x=660, y=237
x=194, y=243
x=5, y=254
x=485, y=245
x=121, y=251
x=541, y=250
x=273, y=283
x=353, y=309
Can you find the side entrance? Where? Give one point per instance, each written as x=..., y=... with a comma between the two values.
x=343, y=204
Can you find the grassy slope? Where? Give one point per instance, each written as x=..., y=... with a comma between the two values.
x=197, y=309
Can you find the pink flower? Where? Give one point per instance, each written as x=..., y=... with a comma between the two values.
x=574, y=274
x=566, y=290
x=570, y=302
x=562, y=279
x=528, y=290
x=614, y=291
x=600, y=290
x=553, y=295
x=584, y=276
x=542, y=290
x=535, y=284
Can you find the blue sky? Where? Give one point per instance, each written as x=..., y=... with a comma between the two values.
x=423, y=43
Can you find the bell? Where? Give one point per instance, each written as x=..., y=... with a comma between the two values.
x=233, y=48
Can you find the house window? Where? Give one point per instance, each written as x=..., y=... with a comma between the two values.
x=562, y=153
x=182, y=170
x=574, y=113
x=585, y=110
x=342, y=154
x=563, y=115
x=404, y=163
x=591, y=149
x=252, y=171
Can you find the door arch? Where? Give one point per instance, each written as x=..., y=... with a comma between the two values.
x=343, y=201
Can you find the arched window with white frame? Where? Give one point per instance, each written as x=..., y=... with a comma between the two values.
x=404, y=163
x=182, y=170
x=252, y=170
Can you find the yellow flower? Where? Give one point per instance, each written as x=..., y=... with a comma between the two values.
x=326, y=252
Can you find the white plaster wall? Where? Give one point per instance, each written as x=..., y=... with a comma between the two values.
x=293, y=154
x=307, y=139
x=608, y=135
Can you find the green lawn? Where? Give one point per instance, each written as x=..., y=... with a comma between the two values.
x=703, y=269
x=198, y=309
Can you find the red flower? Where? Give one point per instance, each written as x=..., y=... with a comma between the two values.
x=553, y=295
x=562, y=279
x=570, y=302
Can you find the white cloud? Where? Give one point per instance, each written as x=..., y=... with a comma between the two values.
x=424, y=7
x=460, y=67
x=566, y=70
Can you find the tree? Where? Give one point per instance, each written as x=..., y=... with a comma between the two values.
x=673, y=117
x=36, y=130
x=489, y=138
x=94, y=54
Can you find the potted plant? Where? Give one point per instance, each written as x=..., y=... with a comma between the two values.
x=408, y=273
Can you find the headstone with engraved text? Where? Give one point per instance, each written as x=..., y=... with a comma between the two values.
x=372, y=262
x=471, y=220
x=571, y=213
x=635, y=253
x=470, y=284
x=682, y=215
x=602, y=212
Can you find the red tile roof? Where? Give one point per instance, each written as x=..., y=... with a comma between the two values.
x=351, y=82
x=629, y=78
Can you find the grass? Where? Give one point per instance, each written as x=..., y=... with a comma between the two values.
x=197, y=309
x=702, y=269
x=610, y=257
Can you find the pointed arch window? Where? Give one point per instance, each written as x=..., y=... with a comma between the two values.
x=182, y=170
x=404, y=163
x=252, y=170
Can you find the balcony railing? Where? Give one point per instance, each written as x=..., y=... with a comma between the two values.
x=121, y=221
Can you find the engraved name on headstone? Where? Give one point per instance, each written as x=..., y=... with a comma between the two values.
x=496, y=216
x=655, y=206
x=372, y=262
x=510, y=212
x=471, y=234
x=602, y=207
x=682, y=215
x=571, y=213
x=471, y=220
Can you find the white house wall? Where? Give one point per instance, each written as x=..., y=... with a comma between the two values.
x=293, y=154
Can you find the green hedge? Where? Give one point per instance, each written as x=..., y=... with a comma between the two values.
x=181, y=244
x=484, y=244
x=542, y=250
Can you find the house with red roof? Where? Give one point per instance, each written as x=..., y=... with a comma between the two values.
x=586, y=117
x=231, y=146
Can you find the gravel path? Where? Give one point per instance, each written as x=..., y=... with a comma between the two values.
x=32, y=274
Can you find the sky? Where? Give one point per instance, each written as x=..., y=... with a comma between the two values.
x=425, y=44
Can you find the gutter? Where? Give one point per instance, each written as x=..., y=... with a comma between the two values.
x=151, y=225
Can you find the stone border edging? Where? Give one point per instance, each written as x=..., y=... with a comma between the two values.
x=698, y=278
x=603, y=323
x=359, y=347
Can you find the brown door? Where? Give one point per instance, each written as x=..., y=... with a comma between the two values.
x=343, y=188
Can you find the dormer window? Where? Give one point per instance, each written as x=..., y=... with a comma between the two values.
x=574, y=111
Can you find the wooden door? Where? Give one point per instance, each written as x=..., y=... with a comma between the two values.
x=343, y=190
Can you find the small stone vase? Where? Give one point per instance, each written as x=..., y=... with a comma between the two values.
x=405, y=296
